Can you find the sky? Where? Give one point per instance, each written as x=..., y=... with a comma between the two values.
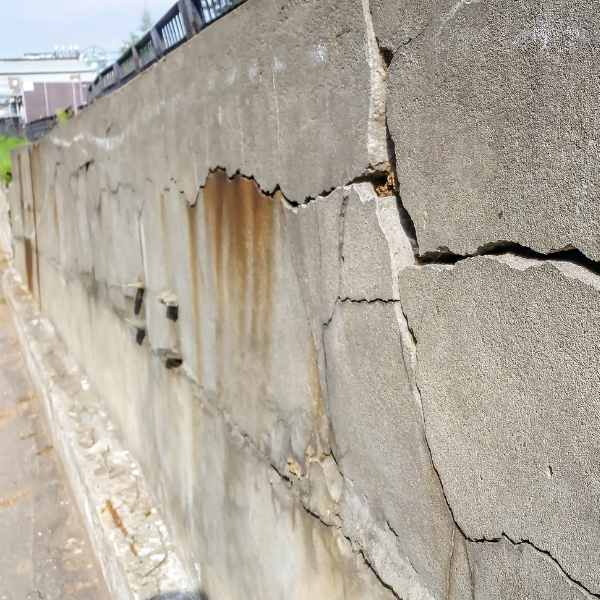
x=40, y=25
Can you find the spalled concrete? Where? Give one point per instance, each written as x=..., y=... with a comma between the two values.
x=493, y=108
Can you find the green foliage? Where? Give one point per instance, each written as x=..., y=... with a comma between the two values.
x=6, y=145
x=62, y=115
x=146, y=21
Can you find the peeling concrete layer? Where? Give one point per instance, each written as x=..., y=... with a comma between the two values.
x=496, y=138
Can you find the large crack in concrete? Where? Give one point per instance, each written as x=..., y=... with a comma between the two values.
x=446, y=259
x=400, y=233
x=396, y=223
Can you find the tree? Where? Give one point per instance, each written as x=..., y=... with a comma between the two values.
x=146, y=23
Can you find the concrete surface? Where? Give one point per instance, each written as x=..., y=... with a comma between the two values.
x=127, y=532
x=263, y=90
x=6, y=240
x=493, y=108
x=323, y=415
x=45, y=551
x=507, y=352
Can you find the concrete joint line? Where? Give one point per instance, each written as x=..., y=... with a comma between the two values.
x=127, y=533
x=377, y=125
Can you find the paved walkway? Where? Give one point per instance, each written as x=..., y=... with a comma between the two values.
x=44, y=550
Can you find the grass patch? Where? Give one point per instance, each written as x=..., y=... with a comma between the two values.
x=6, y=145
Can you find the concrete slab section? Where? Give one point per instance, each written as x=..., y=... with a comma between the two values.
x=496, y=133
x=507, y=368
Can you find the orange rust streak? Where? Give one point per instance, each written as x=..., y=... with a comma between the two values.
x=9, y=413
x=240, y=222
x=108, y=506
x=45, y=451
x=193, y=245
x=8, y=501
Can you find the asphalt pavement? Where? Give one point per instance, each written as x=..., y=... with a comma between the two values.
x=44, y=549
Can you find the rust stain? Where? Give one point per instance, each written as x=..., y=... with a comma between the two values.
x=29, y=263
x=108, y=506
x=55, y=212
x=26, y=241
x=165, y=236
x=45, y=451
x=36, y=192
x=9, y=413
x=78, y=588
x=240, y=227
x=193, y=244
x=12, y=499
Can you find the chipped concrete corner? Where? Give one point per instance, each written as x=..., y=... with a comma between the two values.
x=351, y=360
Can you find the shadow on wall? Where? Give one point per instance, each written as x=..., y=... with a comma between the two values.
x=187, y=595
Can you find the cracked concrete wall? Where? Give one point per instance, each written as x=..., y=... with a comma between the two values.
x=493, y=108
x=357, y=407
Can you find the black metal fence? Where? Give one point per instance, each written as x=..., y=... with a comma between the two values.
x=181, y=22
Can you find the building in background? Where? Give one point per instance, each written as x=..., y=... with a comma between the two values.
x=35, y=87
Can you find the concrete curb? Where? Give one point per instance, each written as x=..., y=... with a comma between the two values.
x=138, y=559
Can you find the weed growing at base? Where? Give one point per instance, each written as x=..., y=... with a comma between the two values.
x=6, y=145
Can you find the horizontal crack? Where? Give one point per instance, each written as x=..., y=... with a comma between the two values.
x=568, y=254
x=369, y=300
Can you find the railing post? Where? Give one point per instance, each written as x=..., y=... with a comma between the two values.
x=136, y=58
x=184, y=11
x=157, y=42
x=197, y=17
x=118, y=71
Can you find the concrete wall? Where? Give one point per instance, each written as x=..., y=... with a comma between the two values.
x=389, y=384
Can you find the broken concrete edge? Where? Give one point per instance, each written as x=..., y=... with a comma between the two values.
x=130, y=539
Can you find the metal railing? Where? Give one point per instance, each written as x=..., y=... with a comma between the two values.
x=171, y=28
x=180, y=23
x=108, y=79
